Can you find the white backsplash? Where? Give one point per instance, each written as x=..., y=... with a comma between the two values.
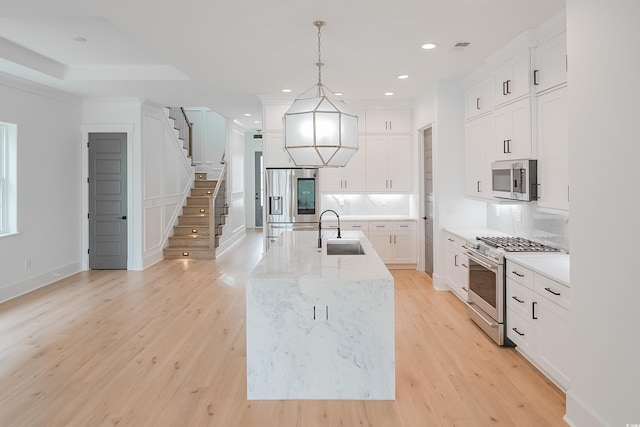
x=524, y=220
x=369, y=204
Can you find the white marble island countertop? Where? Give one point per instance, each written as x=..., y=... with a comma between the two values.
x=320, y=326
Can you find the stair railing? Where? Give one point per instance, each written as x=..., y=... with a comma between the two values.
x=217, y=203
x=184, y=128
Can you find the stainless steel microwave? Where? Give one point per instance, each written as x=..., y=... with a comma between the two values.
x=515, y=179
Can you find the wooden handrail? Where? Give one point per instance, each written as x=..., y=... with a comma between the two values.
x=184, y=128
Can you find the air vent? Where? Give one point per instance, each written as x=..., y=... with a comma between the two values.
x=462, y=44
x=257, y=136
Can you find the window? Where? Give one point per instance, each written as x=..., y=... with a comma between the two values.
x=8, y=210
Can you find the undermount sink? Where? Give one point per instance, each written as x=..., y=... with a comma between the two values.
x=344, y=247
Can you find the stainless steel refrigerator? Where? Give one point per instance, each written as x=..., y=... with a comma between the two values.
x=293, y=201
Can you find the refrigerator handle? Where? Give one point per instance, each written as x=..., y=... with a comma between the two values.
x=275, y=205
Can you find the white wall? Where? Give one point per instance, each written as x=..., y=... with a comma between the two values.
x=443, y=107
x=209, y=138
x=49, y=187
x=604, y=64
x=167, y=176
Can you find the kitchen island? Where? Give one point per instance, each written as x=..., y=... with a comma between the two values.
x=320, y=326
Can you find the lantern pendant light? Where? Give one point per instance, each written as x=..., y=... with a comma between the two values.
x=320, y=131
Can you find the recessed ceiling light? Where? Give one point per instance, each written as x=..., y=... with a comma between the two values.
x=429, y=46
x=338, y=93
x=286, y=90
x=80, y=39
x=403, y=76
x=388, y=93
x=247, y=114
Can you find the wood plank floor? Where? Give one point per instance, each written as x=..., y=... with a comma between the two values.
x=166, y=347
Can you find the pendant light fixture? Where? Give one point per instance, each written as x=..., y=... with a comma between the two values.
x=320, y=131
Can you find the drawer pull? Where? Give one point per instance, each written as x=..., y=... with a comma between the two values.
x=517, y=331
x=451, y=240
x=465, y=265
x=465, y=289
x=517, y=299
x=553, y=292
x=517, y=274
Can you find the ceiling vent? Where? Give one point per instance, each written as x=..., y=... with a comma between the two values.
x=462, y=44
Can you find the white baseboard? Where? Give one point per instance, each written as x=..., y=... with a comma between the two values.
x=578, y=415
x=29, y=285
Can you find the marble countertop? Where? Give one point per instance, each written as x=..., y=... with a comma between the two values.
x=295, y=254
x=472, y=233
x=370, y=218
x=553, y=265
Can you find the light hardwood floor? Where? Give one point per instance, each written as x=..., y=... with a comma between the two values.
x=166, y=347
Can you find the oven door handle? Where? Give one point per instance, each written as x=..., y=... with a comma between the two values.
x=482, y=263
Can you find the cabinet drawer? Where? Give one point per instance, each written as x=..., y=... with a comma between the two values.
x=373, y=226
x=553, y=291
x=355, y=225
x=455, y=242
x=520, y=274
x=520, y=331
x=519, y=299
x=404, y=225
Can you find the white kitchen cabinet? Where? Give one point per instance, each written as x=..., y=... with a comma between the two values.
x=332, y=223
x=513, y=139
x=551, y=63
x=275, y=156
x=457, y=266
x=350, y=178
x=553, y=151
x=479, y=98
x=272, y=117
x=538, y=321
x=388, y=121
x=479, y=142
x=394, y=241
x=389, y=163
x=512, y=79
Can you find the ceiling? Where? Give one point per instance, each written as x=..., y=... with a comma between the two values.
x=225, y=55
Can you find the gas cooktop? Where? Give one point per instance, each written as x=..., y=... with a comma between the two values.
x=517, y=244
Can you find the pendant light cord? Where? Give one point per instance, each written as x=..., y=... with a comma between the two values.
x=319, y=24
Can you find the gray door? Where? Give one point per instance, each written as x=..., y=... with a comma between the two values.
x=259, y=188
x=428, y=201
x=108, y=201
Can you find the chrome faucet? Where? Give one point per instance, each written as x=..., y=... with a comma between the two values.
x=320, y=226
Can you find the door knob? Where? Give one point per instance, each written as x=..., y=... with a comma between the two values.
x=124, y=217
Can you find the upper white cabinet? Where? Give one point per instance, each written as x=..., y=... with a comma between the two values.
x=550, y=63
x=272, y=117
x=479, y=98
x=513, y=139
x=349, y=179
x=511, y=79
x=479, y=140
x=388, y=121
x=275, y=155
x=553, y=151
x=388, y=163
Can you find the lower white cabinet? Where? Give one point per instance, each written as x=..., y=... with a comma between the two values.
x=394, y=241
x=538, y=321
x=457, y=266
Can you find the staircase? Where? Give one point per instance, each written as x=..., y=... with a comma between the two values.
x=197, y=234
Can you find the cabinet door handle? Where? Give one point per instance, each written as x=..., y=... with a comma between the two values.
x=504, y=146
x=504, y=88
x=533, y=310
x=517, y=274
x=478, y=185
x=394, y=239
x=345, y=184
x=386, y=183
x=455, y=260
x=518, y=299
x=517, y=331
x=508, y=87
x=552, y=291
x=477, y=103
x=508, y=146
x=390, y=124
x=535, y=77
x=390, y=183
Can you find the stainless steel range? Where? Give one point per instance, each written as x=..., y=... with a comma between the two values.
x=487, y=304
